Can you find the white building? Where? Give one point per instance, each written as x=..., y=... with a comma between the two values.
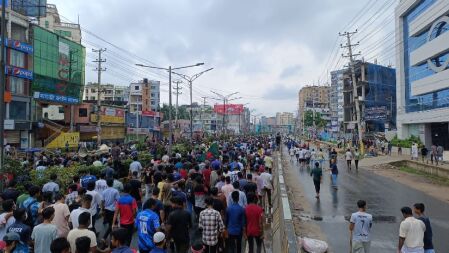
x=52, y=22
x=144, y=96
x=109, y=92
x=422, y=45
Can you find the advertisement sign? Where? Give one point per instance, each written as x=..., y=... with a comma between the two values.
x=229, y=109
x=151, y=113
x=55, y=98
x=138, y=130
x=110, y=115
x=8, y=124
x=19, y=72
x=30, y=8
x=376, y=113
x=111, y=111
x=19, y=46
x=60, y=142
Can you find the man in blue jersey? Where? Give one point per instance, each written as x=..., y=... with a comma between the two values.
x=147, y=224
x=360, y=228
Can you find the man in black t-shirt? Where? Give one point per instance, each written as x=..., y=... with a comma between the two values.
x=250, y=186
x=19, y=227
x=135, y=189
x=178, y=225
x=419, y=212
x=11, y=192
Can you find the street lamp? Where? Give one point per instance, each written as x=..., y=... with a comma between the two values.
x=190, y=79
x=225, y=99
x=240, y=116
x=169, y=69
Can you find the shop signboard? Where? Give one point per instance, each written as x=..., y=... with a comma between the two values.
x=110, y=115
x=376, y=113
x=19, y=72
x=150, y=113
x=55, y=98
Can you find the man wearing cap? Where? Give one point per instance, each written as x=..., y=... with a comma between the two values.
x=159, y=241
x=13, y=243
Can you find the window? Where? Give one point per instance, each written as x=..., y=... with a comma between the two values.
x=153, y=87
x=136, y=87
x=92, y=98
x=47, y=24
x=17, y=58
x=17, y=85
x=153, y=103
x=152, y=95
x=18, y=110
x=61, y=109
x=92, y=90
x=82, y=112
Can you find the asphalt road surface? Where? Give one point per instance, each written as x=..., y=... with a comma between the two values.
x=384, y=199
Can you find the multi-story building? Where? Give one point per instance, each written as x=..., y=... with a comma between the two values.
x=52, y=22
x=312, y=97
x=376, y=90
x=422, y=70
x=109, y=92
x=336, y=100
x=19, y=75
x=144, y=96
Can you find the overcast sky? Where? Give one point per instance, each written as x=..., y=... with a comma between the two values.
x=266, y=50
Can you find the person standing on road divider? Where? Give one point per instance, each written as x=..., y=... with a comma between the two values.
x=419, y=212
x=360, y=229
x=317, y=174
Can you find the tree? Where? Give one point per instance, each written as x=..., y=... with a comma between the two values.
x=308, y=119
x=183, y=113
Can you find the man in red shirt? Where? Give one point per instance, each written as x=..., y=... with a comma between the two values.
x=126, y=208
x=254, y=223
x=206, y=174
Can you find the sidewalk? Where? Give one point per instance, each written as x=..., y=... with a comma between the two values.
x=384, y=159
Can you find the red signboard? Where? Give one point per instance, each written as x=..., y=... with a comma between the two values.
x=229, y=109
x=150, y=113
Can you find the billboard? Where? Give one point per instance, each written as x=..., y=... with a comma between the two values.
x=229, y=109
x=59, y=66
x=110, y=115
x=375, y=113
x=30, y=8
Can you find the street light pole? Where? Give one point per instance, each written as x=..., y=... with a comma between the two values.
x=225, y=100
x=170, y=71
x=190, y=80
x=3, y=84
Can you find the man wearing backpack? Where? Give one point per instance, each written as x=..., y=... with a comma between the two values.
x=31, y=205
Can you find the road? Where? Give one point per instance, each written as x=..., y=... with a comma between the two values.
x=384, y=199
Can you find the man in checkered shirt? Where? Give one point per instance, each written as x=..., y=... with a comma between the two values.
x=212, y=226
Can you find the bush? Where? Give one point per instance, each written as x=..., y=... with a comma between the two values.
x=407, y=143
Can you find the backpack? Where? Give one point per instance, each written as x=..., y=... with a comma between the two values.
x=30, y=221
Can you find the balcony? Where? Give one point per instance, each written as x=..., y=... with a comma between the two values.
x=69, y=25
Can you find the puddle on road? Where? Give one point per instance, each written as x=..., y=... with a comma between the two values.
x=341, y=218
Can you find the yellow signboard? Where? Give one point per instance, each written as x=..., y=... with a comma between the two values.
x=60, y=142
x=108, y=119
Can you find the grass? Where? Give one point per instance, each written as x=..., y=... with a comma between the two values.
x=434, y=178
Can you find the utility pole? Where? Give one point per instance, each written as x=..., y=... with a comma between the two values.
x=72, y=107
x=355, y=94
x=177, y=93
x=99, y=69
x=201, y=113
x=225, y=98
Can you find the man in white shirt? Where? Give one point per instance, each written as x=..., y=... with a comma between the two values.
x=51, y=186
x=411, y=233
x=135, y=166
x=360, y=228
x=96, y=201
x=267, y=184
x=85, y=206
x=100, y=184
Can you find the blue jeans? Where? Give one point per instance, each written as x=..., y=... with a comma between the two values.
x=429, y=251
x=334, y=179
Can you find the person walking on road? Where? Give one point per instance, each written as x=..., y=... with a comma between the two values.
x=334, y=172
x=317, y=174
x=440, y=151
x=419, y=212
x=433, y=154
x=415, y=151
x=411, y=233
x=360, y=229
x=357, y=157
x=349, y=157
x=424, y=152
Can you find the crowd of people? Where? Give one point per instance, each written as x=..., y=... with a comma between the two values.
x=212, y=198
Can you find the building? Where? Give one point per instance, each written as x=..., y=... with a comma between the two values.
x=109, y=93
x=19, y=76
x=336, y=100
x=284, y=122
x=422, y=71
x=312, y=97
x=144, y=96
x=207, y=120
x=376, y=90
x=52, y=22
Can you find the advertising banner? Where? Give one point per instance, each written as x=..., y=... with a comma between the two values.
x=229, y=109
x=376, y=113
x=19, y=72
x=151, y=113
x=110, y=115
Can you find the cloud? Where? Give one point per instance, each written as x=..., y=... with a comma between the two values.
x=252, y=45
x=280, y=92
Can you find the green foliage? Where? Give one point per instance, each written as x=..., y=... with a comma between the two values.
x=183, y=112
x=145, y=159
x=12, y=166
x=308, y=119
x=407, y=143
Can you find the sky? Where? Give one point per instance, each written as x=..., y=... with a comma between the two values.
x=266, y=50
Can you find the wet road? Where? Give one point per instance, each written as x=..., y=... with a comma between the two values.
x=384, y=199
